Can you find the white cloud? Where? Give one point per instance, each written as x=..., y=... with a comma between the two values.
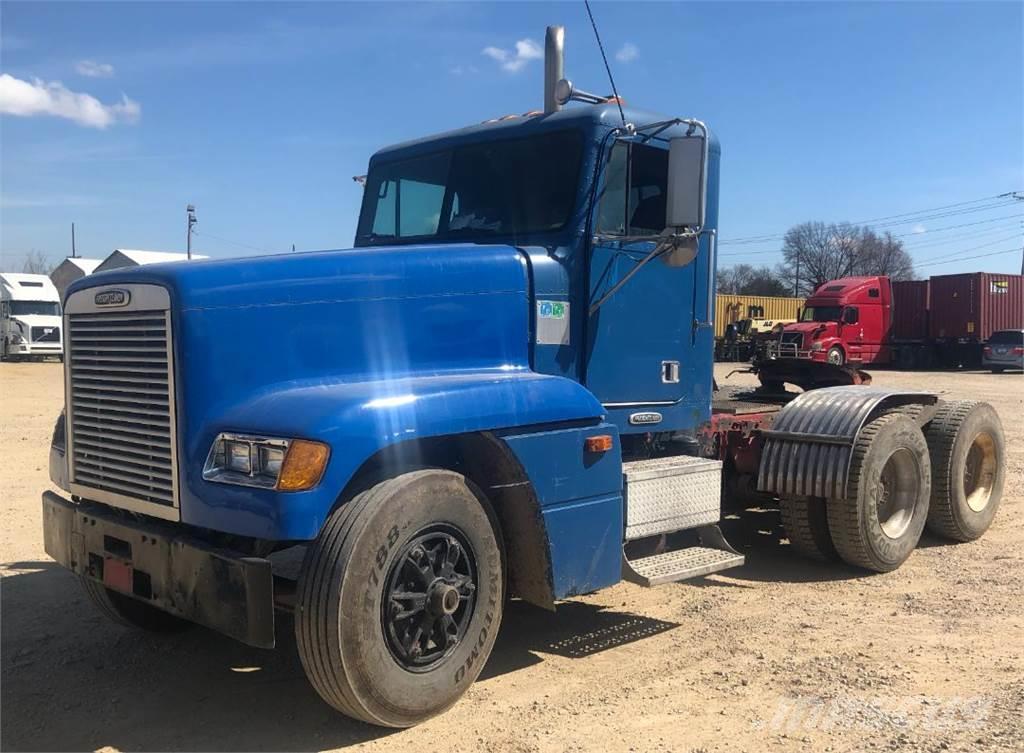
x=515, y=60
x=919, y=229
x=29, y=98
x=627, y=53
x=92, y=69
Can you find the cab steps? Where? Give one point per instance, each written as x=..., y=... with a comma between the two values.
x=673, y=506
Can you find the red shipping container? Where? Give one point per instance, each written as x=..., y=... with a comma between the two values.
x=909, y=310
x=973, y=306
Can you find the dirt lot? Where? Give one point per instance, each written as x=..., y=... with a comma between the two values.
x=780, y=655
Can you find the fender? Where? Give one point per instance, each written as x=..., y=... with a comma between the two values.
x=357, y=419
x=808, y=450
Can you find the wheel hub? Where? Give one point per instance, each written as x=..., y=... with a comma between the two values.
x=428, y=597
x=897, y=494
x=980, y=472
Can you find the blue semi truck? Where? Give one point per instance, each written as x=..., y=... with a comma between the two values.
x=504, y=390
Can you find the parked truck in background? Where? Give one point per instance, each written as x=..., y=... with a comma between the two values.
x=30, y=317
x=505, y=388
x=944, y=321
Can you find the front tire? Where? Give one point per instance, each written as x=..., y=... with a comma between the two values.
x=968, y=458
x=880, y=522
x=836, y=356
x=400, y=598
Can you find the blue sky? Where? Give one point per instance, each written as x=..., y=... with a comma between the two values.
x=261, y=113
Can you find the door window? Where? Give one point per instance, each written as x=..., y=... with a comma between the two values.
x=636, y=188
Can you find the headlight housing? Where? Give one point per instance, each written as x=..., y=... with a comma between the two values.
x=267, y=462
x=817, y=346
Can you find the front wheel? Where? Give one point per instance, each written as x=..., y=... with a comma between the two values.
x=400, y=598
x=835, y=356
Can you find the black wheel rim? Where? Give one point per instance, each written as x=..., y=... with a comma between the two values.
x=429, y=597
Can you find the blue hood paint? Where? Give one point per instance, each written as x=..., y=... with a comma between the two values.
x=359, y=348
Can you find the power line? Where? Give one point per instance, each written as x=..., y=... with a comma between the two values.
x=902, y=235
x=998, y=201
x=974, y=248
x=965, y=258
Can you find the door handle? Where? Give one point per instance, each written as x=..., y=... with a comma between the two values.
x=670, y=372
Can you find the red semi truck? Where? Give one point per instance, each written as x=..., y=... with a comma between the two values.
x=942, y=321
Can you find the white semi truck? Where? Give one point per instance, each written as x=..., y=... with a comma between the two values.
x=30, y=317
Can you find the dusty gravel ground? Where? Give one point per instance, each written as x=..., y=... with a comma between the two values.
x=781, y=654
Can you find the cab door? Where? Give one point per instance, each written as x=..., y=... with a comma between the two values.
x=640, y=341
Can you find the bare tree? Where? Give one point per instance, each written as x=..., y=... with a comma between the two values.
x=815, y=253
x=884, y=255
x=36, y=263
x=745, y=279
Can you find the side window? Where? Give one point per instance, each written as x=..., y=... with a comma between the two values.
x=611, y=215
x=872, y=292
x=851, y=315
x=635, y=191
x=384, y=220
x=648, y=190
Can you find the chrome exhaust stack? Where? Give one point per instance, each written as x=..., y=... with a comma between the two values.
x=554, y=65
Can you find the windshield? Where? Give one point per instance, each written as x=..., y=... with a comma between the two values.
x=27, y=308
x=822, y=314
x=497, y=188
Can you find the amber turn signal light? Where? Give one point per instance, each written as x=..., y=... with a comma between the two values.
x=303, y=466
x=599, y=443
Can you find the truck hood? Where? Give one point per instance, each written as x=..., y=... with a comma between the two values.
x=349, y=313
x=808, y=328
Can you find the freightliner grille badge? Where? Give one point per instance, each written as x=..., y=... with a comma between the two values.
x=645, y=418
x=112, y=298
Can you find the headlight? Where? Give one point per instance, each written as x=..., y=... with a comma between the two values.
x=817, y=346
x=18, y=339
x=267, y=462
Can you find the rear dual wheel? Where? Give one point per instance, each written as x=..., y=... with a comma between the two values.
x=968, y=451
x=400, y=598
x=878, y=525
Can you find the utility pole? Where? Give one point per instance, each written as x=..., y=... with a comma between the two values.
x=190, y=211
x=73, y=254
x=796, y=284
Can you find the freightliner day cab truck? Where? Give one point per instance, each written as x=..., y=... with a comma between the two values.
x=30, y=321
x=505, y=389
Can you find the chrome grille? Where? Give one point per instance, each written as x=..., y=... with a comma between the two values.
x=120, y=406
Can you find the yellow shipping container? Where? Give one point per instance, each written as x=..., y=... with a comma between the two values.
x=732, y=308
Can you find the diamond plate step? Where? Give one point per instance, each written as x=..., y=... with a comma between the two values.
x=671, y=494
x=680, y=564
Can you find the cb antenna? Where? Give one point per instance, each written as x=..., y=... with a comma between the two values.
x=618, y=100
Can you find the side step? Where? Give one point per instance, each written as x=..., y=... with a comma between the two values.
x=712, y=555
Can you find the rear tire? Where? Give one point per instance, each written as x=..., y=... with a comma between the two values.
x=129, y=612
x=388, y=634
x=805, y=520
x=998, y=369
x=880, y=522
x=968, y=458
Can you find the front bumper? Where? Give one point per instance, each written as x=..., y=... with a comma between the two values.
x=35, y=349
x=165, y=568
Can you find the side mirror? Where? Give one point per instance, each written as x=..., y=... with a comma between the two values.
x=687, y=183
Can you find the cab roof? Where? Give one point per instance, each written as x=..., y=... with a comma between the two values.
x=601, y=117
x=18, y=286
x=835, y=289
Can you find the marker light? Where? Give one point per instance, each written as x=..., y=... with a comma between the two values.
x=303, y=466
